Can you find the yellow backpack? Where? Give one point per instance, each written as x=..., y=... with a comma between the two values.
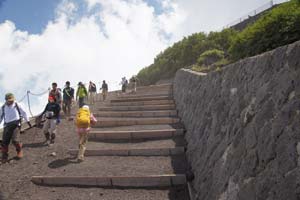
x=83, y=118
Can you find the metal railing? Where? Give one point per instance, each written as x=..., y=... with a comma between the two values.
x=255, y=12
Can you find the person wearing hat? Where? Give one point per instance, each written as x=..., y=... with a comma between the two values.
x=51, y=113
x=12, y=114
x=81, y=93
x=68, y=97
x=84, y=120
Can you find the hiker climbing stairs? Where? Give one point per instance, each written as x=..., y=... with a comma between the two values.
x=138, y=142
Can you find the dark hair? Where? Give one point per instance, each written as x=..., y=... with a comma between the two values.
x=68, y=83
x=54, y=84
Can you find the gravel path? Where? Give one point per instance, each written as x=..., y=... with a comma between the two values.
x=15, y=177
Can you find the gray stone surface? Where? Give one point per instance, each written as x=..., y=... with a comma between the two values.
x=243, y=127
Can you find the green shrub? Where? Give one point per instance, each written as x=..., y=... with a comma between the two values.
x=278, y=27
x=210, y=57
x=198, y=68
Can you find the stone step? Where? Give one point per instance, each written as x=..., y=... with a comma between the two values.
x=170, y=142
x=142, y=103
x=109, y=122
x=142, y=95
x=134, y=134
x=157, y=113
x=138, y=108
x=156, y=86
x=141, y=99
x=97, y=193
x=118, y=166
x=131, y=152
x=150, y=181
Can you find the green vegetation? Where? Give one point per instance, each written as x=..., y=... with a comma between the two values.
x=207, y=52
x=278, y=27
x=210, y=57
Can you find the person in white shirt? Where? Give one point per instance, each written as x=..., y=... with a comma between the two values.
x=12, y=115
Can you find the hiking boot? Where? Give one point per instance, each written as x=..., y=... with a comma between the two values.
x=20, y=154
x=4, y=158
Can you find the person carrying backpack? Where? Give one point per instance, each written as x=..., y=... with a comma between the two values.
x=81, y=94
x=104, y=89
x=83, y=121
x=68, y=97
x=92, y=92
x=12, y=114
x=52, y=116
x=56, y=93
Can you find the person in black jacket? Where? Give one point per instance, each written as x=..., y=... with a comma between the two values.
x=68, y=98
x=104, y=90
x=51, y=113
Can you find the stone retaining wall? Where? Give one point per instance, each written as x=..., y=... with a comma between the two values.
x=243, y=127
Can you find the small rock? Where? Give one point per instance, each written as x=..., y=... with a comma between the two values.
x=53, y=154
x=35, y=163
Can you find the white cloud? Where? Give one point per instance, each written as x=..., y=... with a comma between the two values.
x=127, y=38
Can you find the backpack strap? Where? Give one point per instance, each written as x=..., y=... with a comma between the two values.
x=17, y=108
x=67, y=92
x=2, y=108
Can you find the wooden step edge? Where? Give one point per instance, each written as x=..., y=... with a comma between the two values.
x=113, y=122
x=137, y=108
x=132, y=152
x=152, y=181
x=132, y=135
x=139, y=99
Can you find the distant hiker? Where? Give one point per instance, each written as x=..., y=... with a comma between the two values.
x=134, y=81
x=124, y=84
x=84, y=119
x=52, y=116
x=56, y=92
x=12, y=113
x=81, y=94
x=104, y=88
x=92, y=92
x=68, y=98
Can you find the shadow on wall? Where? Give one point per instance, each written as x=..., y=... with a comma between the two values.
x=1, y=196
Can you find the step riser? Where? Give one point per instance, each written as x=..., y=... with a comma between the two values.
x=143, y=103
x=129, y=122
x=146, y=95
x=134, y=135
x=138, y=108
x=158, y=98
x=123, y=182
x=137, y=114
x=133, y=152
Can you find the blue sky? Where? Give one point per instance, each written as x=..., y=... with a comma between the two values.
x=34, y=15
x=28, y=15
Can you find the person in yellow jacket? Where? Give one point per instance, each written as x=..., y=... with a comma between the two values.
x=81, y=94
x=84, y=119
